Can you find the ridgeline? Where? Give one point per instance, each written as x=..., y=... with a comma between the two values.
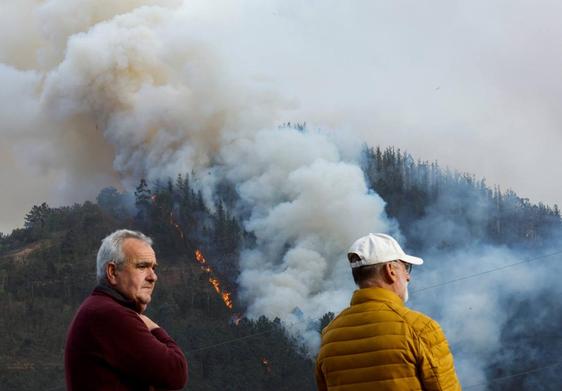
x=48, y=267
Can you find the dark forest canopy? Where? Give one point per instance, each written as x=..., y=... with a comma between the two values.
x=420, y=193
x=47, y=268
x=413, y=191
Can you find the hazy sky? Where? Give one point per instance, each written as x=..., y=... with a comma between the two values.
x=472, y=85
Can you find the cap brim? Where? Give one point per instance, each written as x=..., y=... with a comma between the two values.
x=412, y=260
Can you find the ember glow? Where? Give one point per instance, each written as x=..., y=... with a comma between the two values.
x=176, y=225
x=215, y=282
x=174, y=92
x=265, y=362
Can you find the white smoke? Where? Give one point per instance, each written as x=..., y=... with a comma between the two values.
x=97, y=93
x=143, y=85
x=308, y=205
x=474, y=311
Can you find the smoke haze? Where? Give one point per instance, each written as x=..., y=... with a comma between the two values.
x=98, y=93
x=148, y=92
x=450, y=82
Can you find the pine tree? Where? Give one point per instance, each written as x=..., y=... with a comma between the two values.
x=35, y=221
x=36, y=217
x=143, y=201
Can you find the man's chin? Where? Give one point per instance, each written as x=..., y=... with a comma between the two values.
x=142, y=302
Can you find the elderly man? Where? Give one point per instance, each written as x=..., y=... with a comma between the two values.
x=111, y=345
x=378, y=343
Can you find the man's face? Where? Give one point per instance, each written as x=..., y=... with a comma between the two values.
x=136, y=277
x=403, y=280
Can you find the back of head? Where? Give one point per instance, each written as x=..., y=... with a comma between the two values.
x=111, y=249
x=368, y=255
x=367, y=275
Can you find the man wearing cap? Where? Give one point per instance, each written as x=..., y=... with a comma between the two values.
x=378, y=343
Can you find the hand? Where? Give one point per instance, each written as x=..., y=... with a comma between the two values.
x=148, y=322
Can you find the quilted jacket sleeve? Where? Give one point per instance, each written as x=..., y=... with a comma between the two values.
x=436, y=367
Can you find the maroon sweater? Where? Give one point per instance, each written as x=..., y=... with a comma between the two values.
x=109, y=347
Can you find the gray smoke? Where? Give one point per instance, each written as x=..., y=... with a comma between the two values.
x=145, y=88
x=476, y=289
x=307, y=206
x=444, y=82
x=97, y=93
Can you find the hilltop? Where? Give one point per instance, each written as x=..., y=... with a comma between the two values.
x=47, y=268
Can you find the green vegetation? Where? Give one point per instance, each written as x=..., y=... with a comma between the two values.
x=423, y=197
x=47, y=269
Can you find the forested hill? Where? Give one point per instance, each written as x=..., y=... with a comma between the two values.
x=420, y=194
x=47, y=268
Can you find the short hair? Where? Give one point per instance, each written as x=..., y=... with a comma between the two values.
x=367, y=272
x=111, y=249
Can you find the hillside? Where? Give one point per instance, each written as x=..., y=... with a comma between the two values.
x=47, y=268
x=46, y=274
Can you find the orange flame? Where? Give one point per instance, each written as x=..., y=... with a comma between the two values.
x=176, y=225
x=227, y=299
x=216, y=284
x=225, y=295
x=199, y=257
x=266, y=364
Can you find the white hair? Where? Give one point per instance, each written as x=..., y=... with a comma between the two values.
x=111, y=249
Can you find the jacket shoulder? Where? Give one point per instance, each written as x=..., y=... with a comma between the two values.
x=100, y=312
x=100, y=303
x=423, y=326
x=419, y=322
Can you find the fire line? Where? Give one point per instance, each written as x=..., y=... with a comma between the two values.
x=213, y=280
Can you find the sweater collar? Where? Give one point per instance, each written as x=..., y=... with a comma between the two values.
x=104, y=288
x=375, y=294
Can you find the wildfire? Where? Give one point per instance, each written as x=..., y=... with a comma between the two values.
x=227, y=299
x=199, y=257
x=266, y=364
x=225, y=295
x=176, y=225
x=216, y=284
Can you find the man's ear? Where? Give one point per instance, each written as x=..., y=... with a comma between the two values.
x=111, y=273
x=390, y=273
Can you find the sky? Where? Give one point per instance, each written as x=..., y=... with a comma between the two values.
x=471, y=85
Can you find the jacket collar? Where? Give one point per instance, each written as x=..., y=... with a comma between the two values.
x=104, y=288
x=375, y=294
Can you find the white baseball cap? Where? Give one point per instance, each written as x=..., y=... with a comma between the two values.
x=379, y=248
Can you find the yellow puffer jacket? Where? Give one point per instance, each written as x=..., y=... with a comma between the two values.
x=380, y=344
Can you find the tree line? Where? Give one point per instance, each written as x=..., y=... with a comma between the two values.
x=47, y=267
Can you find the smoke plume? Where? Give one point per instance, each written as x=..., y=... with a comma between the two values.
x=141, y=88
x=98, y=93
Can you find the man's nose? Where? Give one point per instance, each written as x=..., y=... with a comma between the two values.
x=151, y=276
